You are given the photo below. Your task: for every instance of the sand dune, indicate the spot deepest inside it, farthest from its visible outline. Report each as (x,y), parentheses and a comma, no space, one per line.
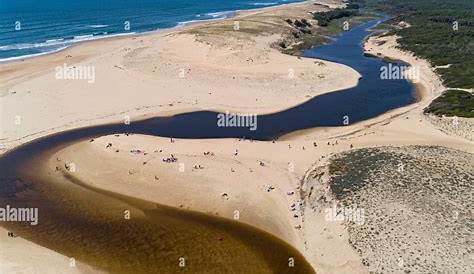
(217,183)
(143,76)
(166,72)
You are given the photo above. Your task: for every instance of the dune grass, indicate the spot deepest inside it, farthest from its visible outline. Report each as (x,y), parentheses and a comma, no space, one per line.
(453,103)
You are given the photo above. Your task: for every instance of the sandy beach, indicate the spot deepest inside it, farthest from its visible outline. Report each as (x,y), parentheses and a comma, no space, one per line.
(158,74)
(194,68)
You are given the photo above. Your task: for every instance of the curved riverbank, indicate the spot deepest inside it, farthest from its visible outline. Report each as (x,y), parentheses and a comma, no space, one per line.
(24,164)
(93,229)
(156,74)
(297,146)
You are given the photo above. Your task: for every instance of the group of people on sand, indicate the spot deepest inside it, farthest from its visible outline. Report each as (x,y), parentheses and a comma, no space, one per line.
(270,188)
(170,159)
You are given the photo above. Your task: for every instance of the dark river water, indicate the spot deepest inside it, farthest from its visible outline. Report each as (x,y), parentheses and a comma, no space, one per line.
(87,223)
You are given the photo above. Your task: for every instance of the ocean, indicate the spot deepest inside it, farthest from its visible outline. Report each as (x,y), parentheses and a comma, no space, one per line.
(31,27)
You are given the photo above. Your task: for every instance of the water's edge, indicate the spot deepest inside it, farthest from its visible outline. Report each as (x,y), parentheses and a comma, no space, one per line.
(81,216)
(225,15)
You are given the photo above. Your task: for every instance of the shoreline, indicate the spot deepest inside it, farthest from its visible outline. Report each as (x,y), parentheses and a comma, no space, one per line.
(179,26)
(66,154)
(393,128)
(30,265)
(32,78)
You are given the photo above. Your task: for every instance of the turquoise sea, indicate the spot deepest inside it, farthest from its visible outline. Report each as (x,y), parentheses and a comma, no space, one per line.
(33,27)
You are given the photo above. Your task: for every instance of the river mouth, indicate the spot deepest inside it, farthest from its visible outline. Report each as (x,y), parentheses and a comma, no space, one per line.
(121,234)
(89,225)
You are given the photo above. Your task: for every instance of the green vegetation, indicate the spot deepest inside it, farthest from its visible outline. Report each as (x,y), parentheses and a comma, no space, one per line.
(324,18)
(443,33)
(318,36)
(437,30)
(440,31)
(453,103)
(330,23)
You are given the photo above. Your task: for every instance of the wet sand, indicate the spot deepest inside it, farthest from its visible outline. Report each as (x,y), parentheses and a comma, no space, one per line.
(90,225)
(326,248)
(151,64)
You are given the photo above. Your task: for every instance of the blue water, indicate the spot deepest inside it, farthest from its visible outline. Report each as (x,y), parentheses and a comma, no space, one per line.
(372,96)
(51,25)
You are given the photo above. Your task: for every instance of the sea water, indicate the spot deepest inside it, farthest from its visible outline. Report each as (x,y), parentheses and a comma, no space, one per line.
(31,27)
